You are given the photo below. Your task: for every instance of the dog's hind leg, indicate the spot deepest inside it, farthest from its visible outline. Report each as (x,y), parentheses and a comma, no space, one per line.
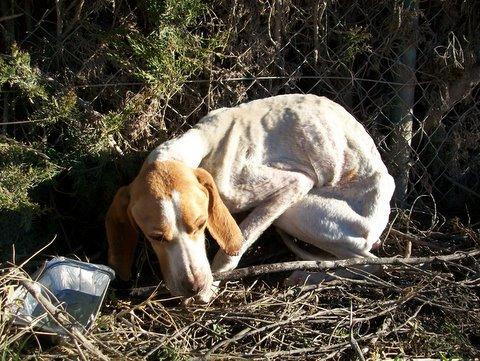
(343,221)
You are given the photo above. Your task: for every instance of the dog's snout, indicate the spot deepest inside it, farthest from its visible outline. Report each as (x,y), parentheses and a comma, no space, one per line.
(194,285)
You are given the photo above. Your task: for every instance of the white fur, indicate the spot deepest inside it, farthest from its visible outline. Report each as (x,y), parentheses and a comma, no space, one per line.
(186,256)
(171,207)
(287,160)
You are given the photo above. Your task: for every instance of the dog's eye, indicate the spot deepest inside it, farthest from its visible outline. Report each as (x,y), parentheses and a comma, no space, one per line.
(196,226)
(201,223)
(157,237)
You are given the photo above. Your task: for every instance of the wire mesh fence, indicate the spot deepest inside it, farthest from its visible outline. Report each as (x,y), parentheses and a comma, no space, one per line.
(379,60)
(408,70)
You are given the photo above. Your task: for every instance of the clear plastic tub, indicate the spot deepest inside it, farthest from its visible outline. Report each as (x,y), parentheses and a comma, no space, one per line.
(78,287)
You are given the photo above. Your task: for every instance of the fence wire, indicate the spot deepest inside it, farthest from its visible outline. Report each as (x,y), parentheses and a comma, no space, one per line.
(408,70)
(381,61)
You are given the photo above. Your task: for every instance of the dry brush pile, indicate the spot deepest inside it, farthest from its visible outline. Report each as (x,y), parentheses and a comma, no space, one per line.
(426,307)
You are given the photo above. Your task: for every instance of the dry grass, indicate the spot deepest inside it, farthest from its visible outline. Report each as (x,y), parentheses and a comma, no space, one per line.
(423,311)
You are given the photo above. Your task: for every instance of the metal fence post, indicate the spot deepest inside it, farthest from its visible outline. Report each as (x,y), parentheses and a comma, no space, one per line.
(402,113)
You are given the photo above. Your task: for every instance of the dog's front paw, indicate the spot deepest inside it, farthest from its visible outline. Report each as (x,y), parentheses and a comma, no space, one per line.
(223,262)
(208,295)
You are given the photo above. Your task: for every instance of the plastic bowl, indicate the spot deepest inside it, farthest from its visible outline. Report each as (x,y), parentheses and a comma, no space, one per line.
(77,287)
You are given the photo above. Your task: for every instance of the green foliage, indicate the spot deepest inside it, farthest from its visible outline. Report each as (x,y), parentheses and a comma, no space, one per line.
(166,54)
(21,170)
(180,14)
(163,57)
(58,166)
(16,71)
(356,41)
(172,51)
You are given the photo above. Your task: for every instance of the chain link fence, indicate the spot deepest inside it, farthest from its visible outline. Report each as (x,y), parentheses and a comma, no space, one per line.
(88,84)
(386,62)
(400,69)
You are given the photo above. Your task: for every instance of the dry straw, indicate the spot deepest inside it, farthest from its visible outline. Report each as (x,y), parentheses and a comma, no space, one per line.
(424,306)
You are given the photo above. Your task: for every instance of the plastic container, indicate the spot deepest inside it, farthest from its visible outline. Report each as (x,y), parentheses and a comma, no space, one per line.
(77,287)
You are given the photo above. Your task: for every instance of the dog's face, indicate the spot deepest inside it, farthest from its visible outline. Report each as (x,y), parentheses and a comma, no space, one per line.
(172,205)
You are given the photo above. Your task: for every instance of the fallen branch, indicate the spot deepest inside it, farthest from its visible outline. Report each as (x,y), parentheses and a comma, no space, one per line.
(142,292)
(62,320)
(327,265)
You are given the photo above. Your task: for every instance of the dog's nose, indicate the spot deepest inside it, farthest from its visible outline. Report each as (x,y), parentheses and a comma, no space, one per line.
(194,285)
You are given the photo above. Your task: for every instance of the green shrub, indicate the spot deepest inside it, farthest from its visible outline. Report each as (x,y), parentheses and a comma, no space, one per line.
(76,140)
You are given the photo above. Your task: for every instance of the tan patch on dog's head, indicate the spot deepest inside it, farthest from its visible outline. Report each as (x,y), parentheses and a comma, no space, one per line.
(199,203)
(163,181)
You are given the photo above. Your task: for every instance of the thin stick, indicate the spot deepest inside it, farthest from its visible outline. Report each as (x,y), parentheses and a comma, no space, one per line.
(9,17)
(38,252)
(354,342)
(141,292)
(79,349)
(408,249)
(326,265)
(58,8)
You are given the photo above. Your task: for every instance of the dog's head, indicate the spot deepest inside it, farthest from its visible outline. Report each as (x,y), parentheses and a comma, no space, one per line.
(172,205)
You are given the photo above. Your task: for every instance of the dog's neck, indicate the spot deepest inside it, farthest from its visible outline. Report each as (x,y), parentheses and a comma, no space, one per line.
(190,148)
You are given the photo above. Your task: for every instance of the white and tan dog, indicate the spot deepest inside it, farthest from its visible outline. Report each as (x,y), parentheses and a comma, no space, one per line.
(300,162)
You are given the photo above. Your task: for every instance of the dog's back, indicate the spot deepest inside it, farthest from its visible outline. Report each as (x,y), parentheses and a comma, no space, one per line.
(303,133)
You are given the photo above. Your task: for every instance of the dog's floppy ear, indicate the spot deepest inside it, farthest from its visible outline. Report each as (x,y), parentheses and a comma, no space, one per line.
(121,234)
(220,223)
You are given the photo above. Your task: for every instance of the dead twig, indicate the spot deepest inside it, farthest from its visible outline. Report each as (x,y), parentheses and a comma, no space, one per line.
(327,265)
(9,17)
(141,292)
(354,342)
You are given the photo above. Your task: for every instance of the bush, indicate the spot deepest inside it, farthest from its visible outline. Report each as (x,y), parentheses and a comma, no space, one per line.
(83,103)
